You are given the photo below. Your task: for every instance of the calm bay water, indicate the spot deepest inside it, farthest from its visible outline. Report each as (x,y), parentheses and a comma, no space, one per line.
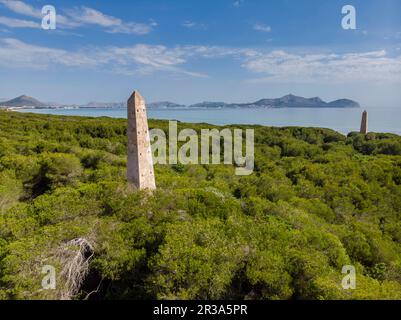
(343,120)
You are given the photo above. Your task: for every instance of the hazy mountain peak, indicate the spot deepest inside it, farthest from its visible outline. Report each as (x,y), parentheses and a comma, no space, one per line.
(23,101)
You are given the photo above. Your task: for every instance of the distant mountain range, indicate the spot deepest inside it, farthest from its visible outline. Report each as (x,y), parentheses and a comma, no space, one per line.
(165,105)
(288,101)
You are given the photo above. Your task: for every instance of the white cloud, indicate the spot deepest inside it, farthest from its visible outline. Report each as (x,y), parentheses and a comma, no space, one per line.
(188,24)
(262,27)
(238,3)
(17,23)
(81,16)
(15,53)
(22,8)
(277,66)
(281,66)
(147,59)
(193,25)
(131,28)
(129,60)
(140,58)
(27,10)
(86,15)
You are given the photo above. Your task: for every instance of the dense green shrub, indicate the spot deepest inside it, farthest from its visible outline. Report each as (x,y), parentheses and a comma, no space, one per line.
(316,201)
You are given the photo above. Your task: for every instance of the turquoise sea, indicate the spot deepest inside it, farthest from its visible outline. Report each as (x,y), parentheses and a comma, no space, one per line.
(343,120)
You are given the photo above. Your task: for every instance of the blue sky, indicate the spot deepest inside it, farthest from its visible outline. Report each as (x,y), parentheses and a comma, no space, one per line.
(189,51)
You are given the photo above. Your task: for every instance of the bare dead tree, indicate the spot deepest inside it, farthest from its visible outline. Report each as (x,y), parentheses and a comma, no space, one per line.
(74,256)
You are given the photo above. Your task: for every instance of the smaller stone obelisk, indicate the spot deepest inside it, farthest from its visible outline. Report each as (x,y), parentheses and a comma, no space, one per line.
(140,163)
(364,123)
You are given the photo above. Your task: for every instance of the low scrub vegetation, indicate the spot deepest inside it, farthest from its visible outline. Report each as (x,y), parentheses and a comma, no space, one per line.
(317,201)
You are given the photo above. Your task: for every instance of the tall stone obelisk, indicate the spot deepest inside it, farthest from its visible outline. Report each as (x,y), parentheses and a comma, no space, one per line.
(140,163)
(364,123)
